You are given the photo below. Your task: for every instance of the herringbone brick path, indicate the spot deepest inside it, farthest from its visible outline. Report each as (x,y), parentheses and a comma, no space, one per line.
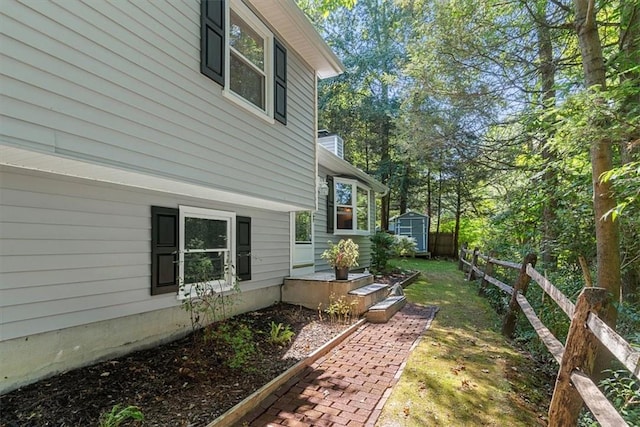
(349,385)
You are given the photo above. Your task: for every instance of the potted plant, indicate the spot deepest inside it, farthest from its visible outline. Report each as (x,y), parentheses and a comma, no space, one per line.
(341,257)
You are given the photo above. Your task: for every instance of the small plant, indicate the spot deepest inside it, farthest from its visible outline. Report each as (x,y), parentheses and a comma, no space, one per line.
(344,254)
(340,310)
(233,341)
(404,246)
(280,334)
(118,415)
(207,299)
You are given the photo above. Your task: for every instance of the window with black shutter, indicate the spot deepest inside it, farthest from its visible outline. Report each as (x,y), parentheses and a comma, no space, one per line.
(280,82)
(203,255)
(330,205)
(164,250)
(254,76)
(212,39)
(243,248)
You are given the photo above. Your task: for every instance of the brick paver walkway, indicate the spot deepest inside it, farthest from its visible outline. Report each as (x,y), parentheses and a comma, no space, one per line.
(351,383)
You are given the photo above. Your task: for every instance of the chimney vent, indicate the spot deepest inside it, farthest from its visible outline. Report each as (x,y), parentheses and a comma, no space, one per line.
(331,142)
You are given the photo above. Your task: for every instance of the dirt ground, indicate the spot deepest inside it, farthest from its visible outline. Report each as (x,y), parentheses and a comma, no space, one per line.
(176,384)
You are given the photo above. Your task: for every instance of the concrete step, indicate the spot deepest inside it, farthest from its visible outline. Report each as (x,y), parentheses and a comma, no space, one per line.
(368,295)
(384,310)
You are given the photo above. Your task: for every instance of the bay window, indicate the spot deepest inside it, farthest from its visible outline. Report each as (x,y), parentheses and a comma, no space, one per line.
(351,201)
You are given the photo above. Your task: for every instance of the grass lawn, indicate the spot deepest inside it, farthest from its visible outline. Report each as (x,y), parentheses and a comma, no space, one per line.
(463,372)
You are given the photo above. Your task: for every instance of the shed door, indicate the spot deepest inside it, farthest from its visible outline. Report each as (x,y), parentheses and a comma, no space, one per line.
(418,232)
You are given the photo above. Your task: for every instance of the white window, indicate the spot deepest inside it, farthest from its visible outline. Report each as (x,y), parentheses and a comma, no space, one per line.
(304,225)
(249,60)
(351,207)
(207,249)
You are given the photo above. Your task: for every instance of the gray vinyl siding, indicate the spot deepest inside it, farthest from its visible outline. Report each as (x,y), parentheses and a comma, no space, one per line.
(119,83)
(75,252)
(322,237)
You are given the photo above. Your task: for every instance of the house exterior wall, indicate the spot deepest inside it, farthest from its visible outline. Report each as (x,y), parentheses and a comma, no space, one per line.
(75,261)
(119,84)
(322,237)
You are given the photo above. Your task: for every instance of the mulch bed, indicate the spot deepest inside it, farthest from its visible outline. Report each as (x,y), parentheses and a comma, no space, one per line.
(183,383)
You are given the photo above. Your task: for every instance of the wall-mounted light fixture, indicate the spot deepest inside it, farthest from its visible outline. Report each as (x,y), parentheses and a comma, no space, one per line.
(323,187)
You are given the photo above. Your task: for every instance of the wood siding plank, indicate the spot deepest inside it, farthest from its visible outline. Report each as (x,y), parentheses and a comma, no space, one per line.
(119,83)
(65,262)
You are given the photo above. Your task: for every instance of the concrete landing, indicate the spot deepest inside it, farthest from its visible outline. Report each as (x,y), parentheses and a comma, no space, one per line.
(313,290)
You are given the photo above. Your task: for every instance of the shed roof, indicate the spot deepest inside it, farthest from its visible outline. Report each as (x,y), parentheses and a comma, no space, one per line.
(410,214)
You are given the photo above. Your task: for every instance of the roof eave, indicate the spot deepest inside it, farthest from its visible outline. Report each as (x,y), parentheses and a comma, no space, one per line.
(294,26)
(340,166)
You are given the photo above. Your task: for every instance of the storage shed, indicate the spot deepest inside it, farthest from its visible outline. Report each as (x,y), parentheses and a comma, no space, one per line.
(412,224)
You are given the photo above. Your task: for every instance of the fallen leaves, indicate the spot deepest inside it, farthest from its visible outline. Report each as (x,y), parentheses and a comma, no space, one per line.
(457,369)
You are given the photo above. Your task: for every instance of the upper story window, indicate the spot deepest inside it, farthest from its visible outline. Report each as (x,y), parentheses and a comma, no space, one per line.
(351,200)
(248,59)
(239,52)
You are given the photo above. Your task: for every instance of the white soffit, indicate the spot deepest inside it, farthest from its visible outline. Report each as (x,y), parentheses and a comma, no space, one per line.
(294,26)
(340,166)
(42,162)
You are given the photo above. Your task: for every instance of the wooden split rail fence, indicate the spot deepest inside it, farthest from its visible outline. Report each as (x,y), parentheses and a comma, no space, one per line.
(586,333)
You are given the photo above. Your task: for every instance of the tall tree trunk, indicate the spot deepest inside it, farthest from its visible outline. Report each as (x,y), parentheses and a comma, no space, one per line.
(438,211)
(404,188)
(547,71)
(456,232)
(607,238)
(385,164)
(429,193)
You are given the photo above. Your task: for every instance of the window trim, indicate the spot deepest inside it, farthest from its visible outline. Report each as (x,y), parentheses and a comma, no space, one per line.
(261,29)
(354,206)
(295,228)
(194,212)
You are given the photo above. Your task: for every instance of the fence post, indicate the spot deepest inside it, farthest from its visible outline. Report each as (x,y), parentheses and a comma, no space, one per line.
(488,271)
(579,353)
(509,323)
(474,261)
(463,254)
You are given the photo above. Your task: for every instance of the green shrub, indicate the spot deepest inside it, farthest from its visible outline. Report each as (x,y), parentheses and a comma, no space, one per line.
(381,251)
(623,391)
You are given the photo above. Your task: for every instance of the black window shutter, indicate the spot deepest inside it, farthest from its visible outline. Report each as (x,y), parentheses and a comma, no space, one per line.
(280,82)
(330,205)
(212,39)
(243,248)
(164,250)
